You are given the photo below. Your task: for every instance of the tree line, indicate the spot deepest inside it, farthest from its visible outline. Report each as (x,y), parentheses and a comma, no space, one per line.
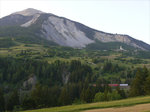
(61,83)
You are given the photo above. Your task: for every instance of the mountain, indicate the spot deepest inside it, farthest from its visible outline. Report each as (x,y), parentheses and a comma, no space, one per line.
(39,25)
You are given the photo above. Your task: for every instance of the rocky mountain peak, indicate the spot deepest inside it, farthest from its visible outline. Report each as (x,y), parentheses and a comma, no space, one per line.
(66,32)
(29,12)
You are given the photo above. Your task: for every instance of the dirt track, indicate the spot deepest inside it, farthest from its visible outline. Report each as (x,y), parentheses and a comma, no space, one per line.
(136,108)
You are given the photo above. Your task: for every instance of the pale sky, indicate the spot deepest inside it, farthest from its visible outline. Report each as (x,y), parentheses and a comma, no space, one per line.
(130,17)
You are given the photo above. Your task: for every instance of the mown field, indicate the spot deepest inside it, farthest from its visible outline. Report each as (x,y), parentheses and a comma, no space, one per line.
(102,105)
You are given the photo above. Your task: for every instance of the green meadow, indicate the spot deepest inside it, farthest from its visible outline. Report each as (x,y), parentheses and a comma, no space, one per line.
(98,105)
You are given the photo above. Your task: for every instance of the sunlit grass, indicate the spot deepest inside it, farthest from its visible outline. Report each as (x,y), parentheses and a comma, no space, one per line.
(79,108)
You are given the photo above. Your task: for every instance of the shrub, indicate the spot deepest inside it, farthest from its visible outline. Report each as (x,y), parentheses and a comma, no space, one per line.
(99,97)
(107,96)
(113,96)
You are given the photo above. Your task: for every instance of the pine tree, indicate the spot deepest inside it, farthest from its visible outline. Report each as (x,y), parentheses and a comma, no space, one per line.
(82,95)
(147,85)
(64,98)
(28,103)
(2,101)
(137,86)
(13,101)
(37,95)
(121,92)
(87,95)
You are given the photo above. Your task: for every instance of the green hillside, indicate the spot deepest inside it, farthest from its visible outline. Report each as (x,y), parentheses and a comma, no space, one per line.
(90,106)
(43,75)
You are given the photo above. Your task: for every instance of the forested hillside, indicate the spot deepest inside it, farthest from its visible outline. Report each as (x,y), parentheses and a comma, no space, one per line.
(38,74)
(48,61)
(55,78)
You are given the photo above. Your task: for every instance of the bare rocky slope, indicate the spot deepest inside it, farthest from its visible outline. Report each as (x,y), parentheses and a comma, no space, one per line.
(66,32)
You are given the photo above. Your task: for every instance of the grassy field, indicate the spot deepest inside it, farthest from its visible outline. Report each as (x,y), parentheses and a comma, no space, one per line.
(137,108)
(101,105)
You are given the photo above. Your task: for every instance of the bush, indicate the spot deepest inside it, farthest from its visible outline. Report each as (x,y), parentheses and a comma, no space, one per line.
(113,96)
(107,96)
(99,97)
(78,101)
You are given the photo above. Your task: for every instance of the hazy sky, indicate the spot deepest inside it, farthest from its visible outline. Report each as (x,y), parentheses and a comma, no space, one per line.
(130,17)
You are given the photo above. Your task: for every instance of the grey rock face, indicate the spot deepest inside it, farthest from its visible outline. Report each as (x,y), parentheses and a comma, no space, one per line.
(24,18)
(30,83)
(32,21)
(65,34)
(28,12)
(105,37)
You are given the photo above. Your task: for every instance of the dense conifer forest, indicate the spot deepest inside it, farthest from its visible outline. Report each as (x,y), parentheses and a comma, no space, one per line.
(34,75)
(30,83)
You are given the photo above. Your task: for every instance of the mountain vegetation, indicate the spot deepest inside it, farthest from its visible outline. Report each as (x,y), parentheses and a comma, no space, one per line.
(136,104)
(36,82)
(36,71)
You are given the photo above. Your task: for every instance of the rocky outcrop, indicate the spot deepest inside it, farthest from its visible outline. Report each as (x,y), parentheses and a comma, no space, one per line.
(64,33)
(30,83)
(32,21)
(28,12)
(105,37)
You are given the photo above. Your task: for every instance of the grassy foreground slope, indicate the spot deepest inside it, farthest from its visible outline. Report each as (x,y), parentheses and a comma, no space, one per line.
(82,107)
(135,108)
